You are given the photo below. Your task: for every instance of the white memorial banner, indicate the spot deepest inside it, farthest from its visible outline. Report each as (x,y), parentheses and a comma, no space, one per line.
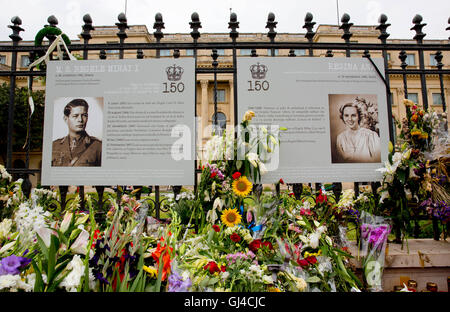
(119,122)
(334,110)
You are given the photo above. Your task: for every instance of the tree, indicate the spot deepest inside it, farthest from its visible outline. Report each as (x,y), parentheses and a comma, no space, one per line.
(21,112)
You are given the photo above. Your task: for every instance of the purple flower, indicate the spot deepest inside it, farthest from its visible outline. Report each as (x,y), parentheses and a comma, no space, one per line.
(376,235)
(177,284)
(12,264)
(365,230)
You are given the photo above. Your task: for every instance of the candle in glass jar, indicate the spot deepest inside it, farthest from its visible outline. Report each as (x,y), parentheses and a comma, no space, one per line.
(432,287)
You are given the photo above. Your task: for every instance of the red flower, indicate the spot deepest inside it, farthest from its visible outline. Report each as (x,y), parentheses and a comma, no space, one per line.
(291,194)
(236,175)
(311,260)
(268,245)
(321,198)
(302,262)
(213,174)
(97,235)
(223,268)
(281,181)
(216,228)
(235,237)
(255,245)
(163,253)
(211,267)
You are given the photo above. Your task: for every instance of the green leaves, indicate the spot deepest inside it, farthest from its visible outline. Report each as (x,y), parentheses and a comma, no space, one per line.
(313,279)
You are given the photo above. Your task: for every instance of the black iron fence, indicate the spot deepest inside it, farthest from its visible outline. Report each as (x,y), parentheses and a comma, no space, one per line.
(233,44)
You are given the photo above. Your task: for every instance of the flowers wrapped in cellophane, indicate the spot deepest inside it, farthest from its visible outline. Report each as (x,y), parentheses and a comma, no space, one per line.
(374,234)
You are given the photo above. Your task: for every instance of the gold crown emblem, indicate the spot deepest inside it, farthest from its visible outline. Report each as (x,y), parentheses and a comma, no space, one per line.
(174,72)
(258,71)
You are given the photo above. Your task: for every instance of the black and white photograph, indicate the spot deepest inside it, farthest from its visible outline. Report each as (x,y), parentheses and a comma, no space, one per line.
(77,132)
(354,129)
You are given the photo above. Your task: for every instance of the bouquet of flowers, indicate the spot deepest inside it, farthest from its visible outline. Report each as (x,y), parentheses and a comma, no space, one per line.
(374,232)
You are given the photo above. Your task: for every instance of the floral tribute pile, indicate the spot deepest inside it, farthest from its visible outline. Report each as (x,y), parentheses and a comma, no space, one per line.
(228,236)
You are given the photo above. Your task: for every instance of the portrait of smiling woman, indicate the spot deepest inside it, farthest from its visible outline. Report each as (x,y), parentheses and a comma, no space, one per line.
(354,142)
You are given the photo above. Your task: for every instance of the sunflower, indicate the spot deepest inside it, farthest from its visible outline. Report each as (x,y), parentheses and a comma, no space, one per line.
(242,186)
(231,217)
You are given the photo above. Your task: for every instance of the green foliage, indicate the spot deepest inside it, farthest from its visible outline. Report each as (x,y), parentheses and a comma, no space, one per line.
(21,112)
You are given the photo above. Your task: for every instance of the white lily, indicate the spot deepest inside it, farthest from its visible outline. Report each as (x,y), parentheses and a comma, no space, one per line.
(66,221)
(314,240)
(80,244)
(253,159)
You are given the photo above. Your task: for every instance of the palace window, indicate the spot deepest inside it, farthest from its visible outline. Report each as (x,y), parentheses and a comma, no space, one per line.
(246,51)
(24,61)
(433,61)
(414,97)
(164,52)
(221,123)
(410,60)
(220,95)
(300,52)
(437,99)
(3,59)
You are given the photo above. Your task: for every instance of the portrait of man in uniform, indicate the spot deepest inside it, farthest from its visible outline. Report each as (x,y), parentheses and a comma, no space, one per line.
(77,148)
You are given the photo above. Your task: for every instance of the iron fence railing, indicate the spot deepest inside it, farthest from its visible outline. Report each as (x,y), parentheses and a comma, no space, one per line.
(233,44)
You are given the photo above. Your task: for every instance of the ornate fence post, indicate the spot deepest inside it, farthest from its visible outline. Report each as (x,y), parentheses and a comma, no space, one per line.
(309,24)
(271,24)
(439,65)
(158,34)
(403,65)
(345,26)
(15,37)
(214,56)
(383,37)
(417,20)
(122,25)
(87,28)
(195,24)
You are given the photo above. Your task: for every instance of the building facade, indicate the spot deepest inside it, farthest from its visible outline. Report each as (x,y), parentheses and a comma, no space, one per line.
(225,101)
